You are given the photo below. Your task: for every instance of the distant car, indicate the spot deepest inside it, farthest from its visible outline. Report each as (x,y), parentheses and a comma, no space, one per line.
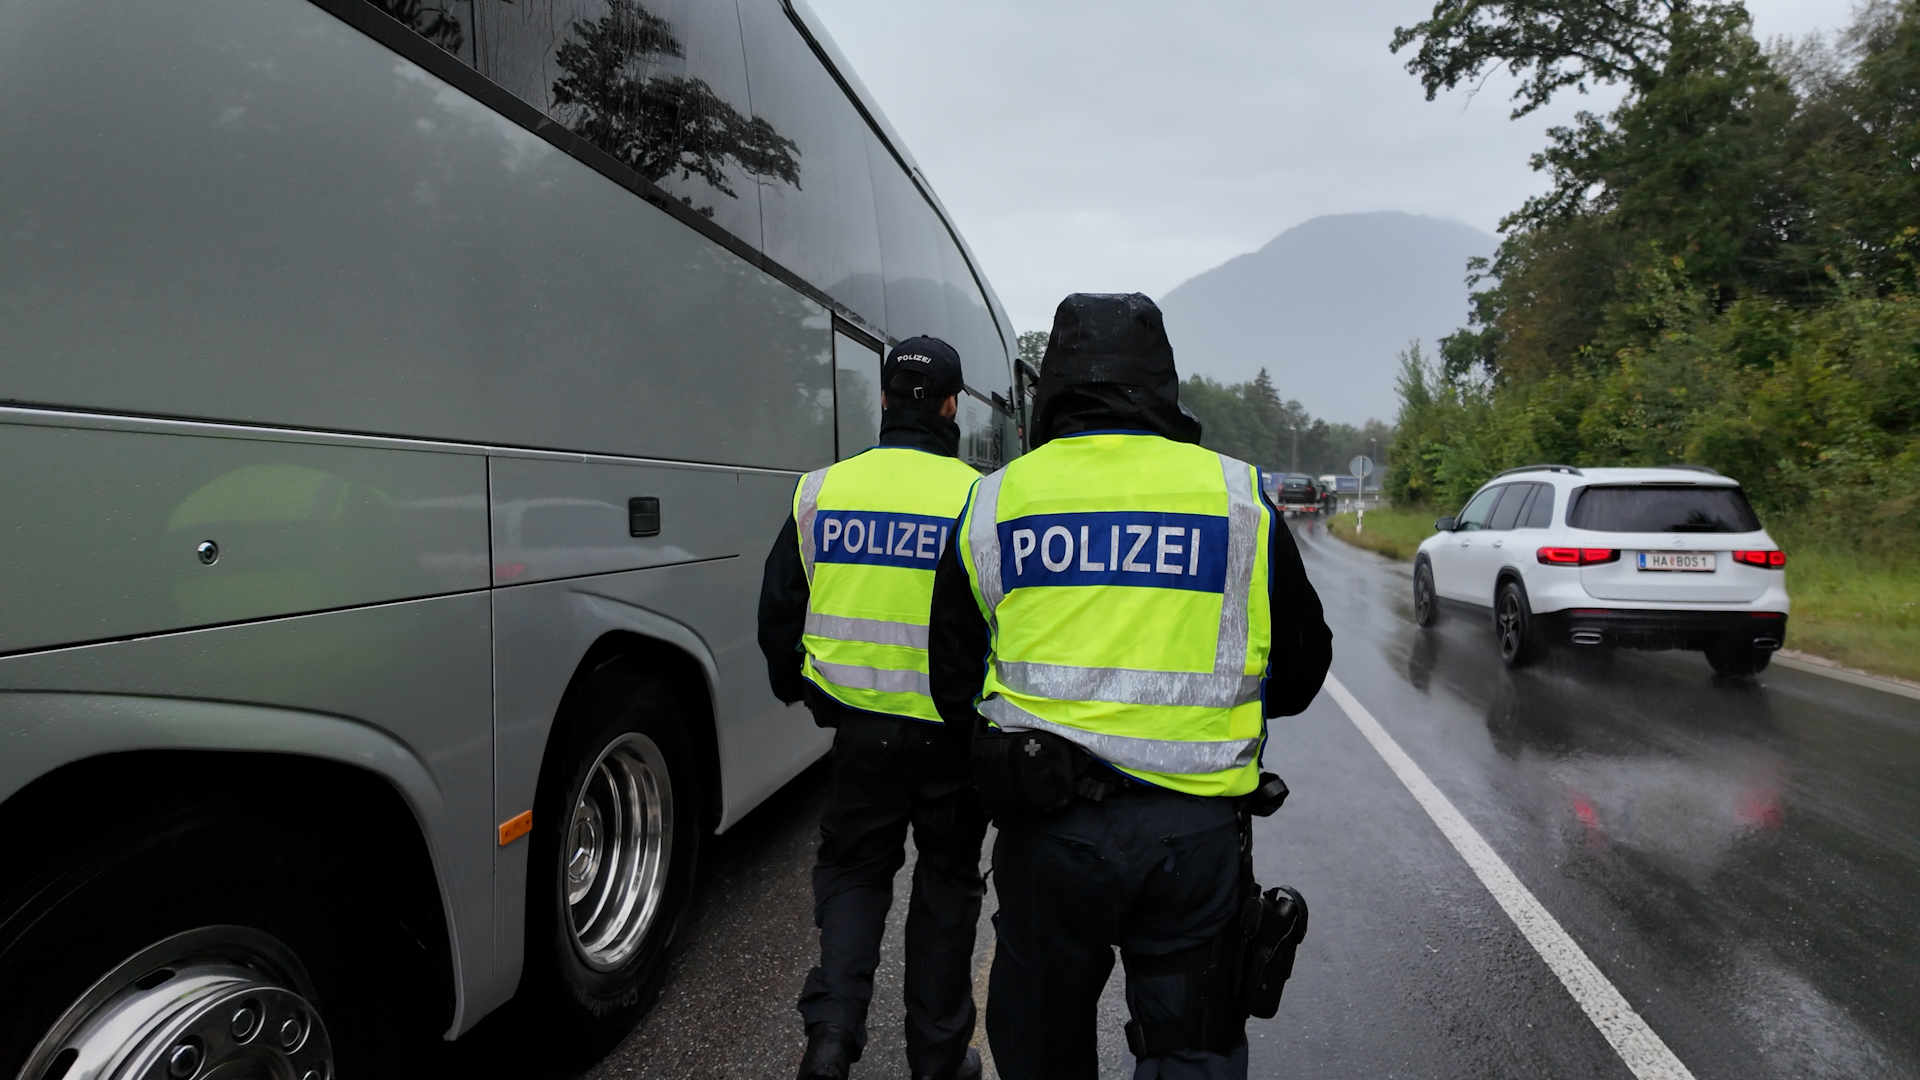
(1296,493)
(1667,558)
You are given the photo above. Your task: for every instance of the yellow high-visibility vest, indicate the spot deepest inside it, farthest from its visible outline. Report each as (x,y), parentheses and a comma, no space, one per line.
(1124,580)
(871,531)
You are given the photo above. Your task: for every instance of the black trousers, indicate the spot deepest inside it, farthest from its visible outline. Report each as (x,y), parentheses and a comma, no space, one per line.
(889,772)
(1149,871)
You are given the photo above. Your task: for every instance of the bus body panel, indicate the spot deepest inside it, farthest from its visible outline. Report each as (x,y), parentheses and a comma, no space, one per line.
(117,541)
(269,275)
(704,610)
(399,689)
(557,518)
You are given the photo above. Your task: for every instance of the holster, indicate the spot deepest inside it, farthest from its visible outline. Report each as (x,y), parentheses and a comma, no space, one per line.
(1022,774)
(1242,972)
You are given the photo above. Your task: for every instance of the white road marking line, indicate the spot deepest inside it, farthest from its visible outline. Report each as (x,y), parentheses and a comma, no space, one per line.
(1643,1051)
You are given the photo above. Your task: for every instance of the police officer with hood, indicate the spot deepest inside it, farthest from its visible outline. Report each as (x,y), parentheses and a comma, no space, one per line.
(1120,614)
(843,623)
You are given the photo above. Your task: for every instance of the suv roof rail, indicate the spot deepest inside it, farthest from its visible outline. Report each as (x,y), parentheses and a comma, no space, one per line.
(1694,468)
(1568,469)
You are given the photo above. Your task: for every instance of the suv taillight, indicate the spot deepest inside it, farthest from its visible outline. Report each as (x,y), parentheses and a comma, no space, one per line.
(1766,560)
(1566,556)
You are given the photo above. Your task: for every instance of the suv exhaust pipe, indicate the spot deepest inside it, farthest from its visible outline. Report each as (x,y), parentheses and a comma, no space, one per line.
(1588,637)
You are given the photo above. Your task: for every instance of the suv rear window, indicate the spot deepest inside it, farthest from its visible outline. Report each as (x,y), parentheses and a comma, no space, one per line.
(1659,508)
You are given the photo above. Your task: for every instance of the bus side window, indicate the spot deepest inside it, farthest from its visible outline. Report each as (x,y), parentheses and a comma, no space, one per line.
(681,60)
(820,224)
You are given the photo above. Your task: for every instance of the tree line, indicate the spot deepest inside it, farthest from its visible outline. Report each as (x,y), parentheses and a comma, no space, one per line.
(1721,271)
(1249,421)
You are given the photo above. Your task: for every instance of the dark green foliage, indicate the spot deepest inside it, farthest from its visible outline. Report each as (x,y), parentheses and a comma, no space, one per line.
(1033,346)
(1721,271)
(1249,421)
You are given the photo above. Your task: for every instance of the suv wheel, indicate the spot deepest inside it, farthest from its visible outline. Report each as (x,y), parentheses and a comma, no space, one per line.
(1426,606)
(616,832)
(1736,660)
(1521,642)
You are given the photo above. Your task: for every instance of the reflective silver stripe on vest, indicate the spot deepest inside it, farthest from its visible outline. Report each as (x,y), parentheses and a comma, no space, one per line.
(885,680)
(1147,755)
(809,506)
(1243,545)
(983,535)
(867,631)
(1223,688)
(1128,686)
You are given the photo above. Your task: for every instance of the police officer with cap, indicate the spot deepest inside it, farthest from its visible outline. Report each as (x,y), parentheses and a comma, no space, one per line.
(843,623)
(1120,614)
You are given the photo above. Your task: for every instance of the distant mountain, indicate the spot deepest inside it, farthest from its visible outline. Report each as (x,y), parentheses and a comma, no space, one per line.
(1326,307)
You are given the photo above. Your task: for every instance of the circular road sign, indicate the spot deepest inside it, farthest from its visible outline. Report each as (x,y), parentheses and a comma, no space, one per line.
(1361,466)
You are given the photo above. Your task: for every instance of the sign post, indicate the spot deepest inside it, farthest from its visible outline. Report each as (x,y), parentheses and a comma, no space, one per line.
(1361,467)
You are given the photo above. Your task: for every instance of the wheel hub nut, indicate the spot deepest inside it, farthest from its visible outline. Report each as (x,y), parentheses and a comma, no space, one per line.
(246,1023)
(183,1061)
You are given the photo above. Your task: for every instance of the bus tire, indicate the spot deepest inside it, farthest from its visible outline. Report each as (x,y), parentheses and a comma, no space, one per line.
(602,916)
(235,892)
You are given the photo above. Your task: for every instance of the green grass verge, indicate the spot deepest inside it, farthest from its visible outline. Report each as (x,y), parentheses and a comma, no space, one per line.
(1393,533)
(1858,610)
(1854,609)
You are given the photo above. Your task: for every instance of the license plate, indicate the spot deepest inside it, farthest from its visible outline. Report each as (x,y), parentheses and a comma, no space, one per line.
(1676,560)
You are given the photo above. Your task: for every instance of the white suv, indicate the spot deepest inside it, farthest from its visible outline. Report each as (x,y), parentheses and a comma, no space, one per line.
(1668,558)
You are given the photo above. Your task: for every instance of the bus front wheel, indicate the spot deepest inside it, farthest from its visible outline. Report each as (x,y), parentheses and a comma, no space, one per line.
(616,835)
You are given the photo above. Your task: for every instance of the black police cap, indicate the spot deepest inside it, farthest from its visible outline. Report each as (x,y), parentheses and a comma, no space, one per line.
(924,367)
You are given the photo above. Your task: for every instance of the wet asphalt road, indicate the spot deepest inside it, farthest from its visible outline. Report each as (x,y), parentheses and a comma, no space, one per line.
(1741,859)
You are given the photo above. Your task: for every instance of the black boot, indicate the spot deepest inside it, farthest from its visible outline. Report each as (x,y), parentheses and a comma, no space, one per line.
(968,1069)
(830,1053)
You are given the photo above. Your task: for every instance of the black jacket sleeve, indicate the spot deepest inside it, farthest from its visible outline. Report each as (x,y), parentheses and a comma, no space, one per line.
(957,640)
(783,614)
(1302,644)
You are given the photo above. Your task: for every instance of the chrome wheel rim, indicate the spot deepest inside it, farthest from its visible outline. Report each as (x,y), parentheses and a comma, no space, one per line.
(617,851)
(216,1003)
(1509,625)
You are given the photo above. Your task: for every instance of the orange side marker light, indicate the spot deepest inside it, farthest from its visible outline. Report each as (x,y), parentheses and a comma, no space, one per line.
(516,827)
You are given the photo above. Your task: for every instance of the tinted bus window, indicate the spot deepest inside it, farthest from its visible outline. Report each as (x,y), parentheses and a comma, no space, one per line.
(446,23)
(974,334)
(660,85)
(908,249)
(856,381)
(821,223)
(1662,509)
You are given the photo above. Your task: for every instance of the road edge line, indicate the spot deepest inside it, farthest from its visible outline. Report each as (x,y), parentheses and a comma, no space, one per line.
(1812,665)
(1640,1049)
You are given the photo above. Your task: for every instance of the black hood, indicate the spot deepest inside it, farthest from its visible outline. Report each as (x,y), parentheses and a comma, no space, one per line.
(1109,365)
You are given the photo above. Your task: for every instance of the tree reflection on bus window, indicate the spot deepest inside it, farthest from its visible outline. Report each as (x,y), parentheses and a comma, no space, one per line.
(659,125)
(660,85)
(440,23)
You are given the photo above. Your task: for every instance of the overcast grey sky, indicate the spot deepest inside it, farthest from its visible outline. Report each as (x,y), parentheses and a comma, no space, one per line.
(1107,145)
